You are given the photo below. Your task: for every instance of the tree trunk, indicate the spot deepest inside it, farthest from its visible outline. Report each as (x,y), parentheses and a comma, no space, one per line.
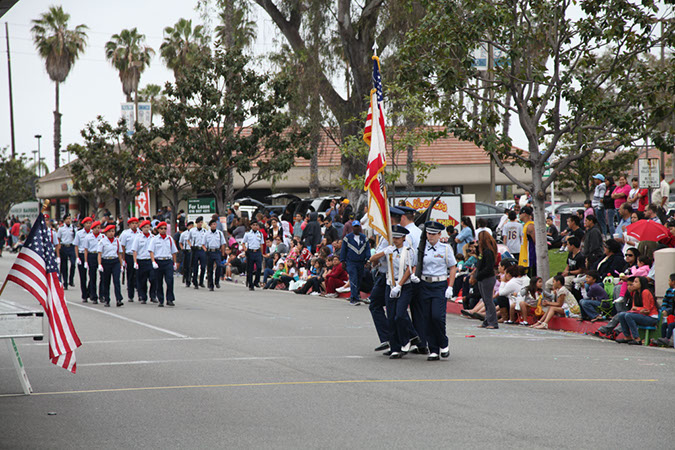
(315,115)
(229,188)
(219,192)
(57,131)
(539,202)
(135,108)
(410,169)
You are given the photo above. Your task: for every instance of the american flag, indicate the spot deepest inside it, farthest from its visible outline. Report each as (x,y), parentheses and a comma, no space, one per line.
(36,271)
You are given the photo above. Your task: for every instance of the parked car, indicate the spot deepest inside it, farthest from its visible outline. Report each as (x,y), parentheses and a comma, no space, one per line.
(493,214)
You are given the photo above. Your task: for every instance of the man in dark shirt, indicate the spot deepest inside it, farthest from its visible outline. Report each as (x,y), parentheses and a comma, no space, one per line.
(330,232)
(592,240)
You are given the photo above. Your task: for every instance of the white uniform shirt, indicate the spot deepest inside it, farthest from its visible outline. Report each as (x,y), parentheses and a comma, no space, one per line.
(437,260)
(214,239)
(410,261)
(163,247)
(414,236)
(184,240)
(141,245)
(91,242)
(66,234)
(109,249)
(197,236)
(54,238)
(253,240)
(80,239)
(127,238)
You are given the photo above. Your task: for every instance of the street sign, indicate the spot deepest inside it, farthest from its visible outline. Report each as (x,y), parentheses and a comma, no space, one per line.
(204,207)
(143,203)
(648,173)
(129,112)
(547,171)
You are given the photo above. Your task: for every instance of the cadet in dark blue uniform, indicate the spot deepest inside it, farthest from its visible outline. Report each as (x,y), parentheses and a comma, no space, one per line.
(399,294)
(215,251)
(252,243)
(79,243)
(66,235)
(197,237)
(435,287)
(127,238)
(91,260)
(354,254)
(163,252)
(143,264)
(110,264)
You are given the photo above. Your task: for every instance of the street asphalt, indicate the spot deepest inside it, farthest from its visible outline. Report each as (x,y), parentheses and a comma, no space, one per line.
(239,369)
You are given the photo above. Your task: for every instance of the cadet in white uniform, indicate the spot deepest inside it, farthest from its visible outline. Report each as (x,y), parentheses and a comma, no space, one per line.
(215,251)
(78,242)
(163,254)
(252,243)
(91,260)
(66,236)
(185,245)
(435,287)
(143,264)
(126,239)
(110,264)
(197,238)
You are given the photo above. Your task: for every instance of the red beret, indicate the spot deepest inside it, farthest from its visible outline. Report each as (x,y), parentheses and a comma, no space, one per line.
(85,220)
(161,224)
(132,220)
(95,224)
(108,228)
(144,223)
(46,216)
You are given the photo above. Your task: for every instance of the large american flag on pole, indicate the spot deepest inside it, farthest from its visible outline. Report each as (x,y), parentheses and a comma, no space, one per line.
(36,271)
(374,135)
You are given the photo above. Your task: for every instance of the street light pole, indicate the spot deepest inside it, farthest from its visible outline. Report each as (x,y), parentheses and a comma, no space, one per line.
(35,161)
(38,137)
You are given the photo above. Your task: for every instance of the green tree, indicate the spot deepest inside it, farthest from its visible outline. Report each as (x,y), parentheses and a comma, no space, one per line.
(203,109)
(110,161)
(236,29)
(181,45)
(128,54)
(16,182)
(59,47)
(552,75)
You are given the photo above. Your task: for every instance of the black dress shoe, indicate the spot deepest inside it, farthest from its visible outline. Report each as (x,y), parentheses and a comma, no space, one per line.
(196,287)
(72,284)
(251,288)
(84,300)
(415,341)
(143,302)
(170,303)
(107,304)
(433,357)
(95,302)
(153,300)
(211,289)
(396,355)
(161,305)
(445,353)
(420,350)
(65,287)
(382,346)
(387,353)
(131,300)
(119,304)
(217,286)
(201,284)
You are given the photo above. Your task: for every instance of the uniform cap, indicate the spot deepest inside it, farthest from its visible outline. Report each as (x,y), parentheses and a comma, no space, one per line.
(395,211)
(399,231)
(132,220)
(96,224)
(199,219)
(46,216)
(407,209)
(85,220)
(144,223)
(433,227)
(161,224)
(108,228)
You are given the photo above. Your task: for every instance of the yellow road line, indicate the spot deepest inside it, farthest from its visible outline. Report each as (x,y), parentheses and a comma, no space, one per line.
(318,382)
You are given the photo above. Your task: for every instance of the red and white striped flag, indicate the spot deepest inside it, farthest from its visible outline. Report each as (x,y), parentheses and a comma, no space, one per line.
(36,271)
(375,136)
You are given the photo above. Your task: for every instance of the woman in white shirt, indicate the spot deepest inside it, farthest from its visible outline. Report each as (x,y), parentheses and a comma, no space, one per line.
(515,281)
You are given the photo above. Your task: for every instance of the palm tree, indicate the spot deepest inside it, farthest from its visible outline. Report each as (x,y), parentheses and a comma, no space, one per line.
(236,29)
(59,47)
(128,54)
(181,45)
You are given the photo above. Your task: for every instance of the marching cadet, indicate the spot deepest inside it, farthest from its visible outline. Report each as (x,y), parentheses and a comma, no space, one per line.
(79,243)
(377,295)
(143,264)
(66,236)
(53,237)
(91,259)
(163,255)
(354,254)
(435,287)
(126,239)
(197,239)
(252,244)
(399,294)
(109,264)
(215,250)
(185,245)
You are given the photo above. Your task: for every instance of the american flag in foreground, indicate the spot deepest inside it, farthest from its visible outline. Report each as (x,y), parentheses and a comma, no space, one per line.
(36,271)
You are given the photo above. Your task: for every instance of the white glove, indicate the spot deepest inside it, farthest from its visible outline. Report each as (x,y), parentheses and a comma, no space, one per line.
(449,292)
(155,265)
(78,262)
(100,269)
(175,267)
(86,266)
(136,265)
(58,260)
(395,292)
(389,250)
(414,278)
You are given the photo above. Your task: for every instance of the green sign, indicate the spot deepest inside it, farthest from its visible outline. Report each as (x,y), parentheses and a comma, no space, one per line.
(547,172)
(201,206)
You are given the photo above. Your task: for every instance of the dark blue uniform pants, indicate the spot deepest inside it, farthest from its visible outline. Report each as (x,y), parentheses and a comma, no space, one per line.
(165,274)
(187,267)
(377,304)
(355,270)
(198,261)
(401,326)
(84,286)
(111,268)
(434,304)
(418,317)
(144,273)
(95,290)
(214,259)
(67,255)
(253,258)
(131,276)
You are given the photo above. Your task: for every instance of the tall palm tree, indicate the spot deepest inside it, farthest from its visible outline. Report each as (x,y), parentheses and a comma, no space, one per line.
(130,56)
(59,47)
(236,29)
(181,45)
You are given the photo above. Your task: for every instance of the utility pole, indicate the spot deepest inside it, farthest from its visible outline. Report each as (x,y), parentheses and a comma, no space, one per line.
(38,136)
(11,99)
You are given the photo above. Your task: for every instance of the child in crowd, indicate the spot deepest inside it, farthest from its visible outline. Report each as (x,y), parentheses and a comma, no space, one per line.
(533,297)
(563,301)
(588,209)
(668,308)
(281,269)
(593,297)
(639,270)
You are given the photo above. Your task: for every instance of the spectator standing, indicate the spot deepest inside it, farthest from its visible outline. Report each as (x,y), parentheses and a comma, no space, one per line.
(465,236)
(14,232)
(598,202)
(354,254)
(485,275)
(330,233)
(620,194)
(512,233)
(637,198)
(592,240)
(311,235)
(528,252)
(3,239)
(608,203)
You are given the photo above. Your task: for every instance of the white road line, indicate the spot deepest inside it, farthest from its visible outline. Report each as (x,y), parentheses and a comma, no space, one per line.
(137,322)
(131,341)
(236,358)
